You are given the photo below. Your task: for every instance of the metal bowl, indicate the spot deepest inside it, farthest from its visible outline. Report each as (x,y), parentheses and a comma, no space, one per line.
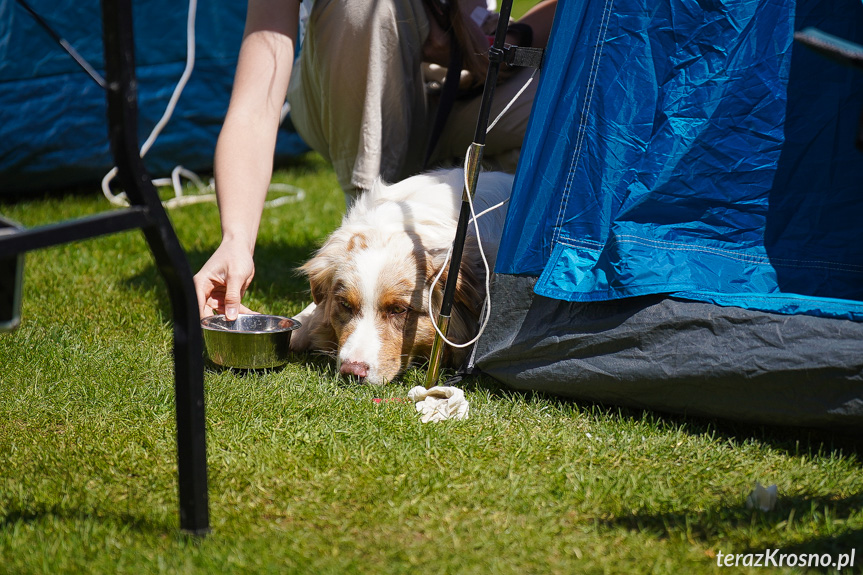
(251,341)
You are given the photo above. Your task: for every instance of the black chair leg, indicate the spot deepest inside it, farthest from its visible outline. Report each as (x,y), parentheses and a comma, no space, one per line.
(171,261)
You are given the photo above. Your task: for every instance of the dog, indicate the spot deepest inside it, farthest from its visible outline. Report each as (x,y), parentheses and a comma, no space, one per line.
(370,280)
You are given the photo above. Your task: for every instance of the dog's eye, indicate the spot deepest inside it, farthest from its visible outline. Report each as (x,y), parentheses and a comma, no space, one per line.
(398,310)
(344,303)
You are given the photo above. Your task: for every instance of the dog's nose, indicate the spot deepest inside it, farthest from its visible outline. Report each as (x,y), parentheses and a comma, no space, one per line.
(355,368)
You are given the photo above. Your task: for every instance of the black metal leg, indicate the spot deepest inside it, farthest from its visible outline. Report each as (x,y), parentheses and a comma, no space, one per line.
(188,383)
(171,261)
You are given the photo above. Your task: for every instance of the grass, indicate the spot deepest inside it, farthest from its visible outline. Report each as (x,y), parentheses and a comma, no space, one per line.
(309,475)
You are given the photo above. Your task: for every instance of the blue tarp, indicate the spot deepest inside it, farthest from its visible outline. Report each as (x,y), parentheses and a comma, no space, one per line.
(693,149)
(53,124)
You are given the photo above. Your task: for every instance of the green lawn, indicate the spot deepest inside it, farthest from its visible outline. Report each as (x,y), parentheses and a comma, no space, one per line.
(308,474)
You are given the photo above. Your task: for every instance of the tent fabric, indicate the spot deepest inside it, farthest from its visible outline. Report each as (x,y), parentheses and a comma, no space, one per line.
(53,119)
(679,356)
(692,149)
(684,232)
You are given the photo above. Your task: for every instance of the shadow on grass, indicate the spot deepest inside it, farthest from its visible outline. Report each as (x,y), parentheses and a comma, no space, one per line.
(122,519)
(832,545)
(276,276)
(792,441)
(709,525)
(320,362)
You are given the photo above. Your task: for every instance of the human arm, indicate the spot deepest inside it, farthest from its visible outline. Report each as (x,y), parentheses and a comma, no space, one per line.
(244,151)
(472,29)
(540,18)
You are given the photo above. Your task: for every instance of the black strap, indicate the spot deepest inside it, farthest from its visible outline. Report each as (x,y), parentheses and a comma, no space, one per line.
(516,56)
(523,57)
(448,95)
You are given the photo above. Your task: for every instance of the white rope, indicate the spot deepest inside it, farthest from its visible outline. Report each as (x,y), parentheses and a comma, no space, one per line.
(206,193)
(511,102)
(121,199)
(485,313)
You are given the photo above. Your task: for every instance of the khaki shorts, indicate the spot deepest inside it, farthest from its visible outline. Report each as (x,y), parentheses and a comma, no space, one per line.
(358,96)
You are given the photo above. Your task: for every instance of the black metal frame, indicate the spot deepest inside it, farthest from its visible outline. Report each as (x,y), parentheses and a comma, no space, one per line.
(498,53)
(147,214)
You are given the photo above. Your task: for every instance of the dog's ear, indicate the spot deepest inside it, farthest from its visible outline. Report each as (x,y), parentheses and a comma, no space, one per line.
(469,291)
(470,286)
(320,278)
(321,271)
(435,260)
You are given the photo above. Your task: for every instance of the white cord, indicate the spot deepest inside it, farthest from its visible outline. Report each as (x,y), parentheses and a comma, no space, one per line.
(121,199)
(511,102)
(292,193)
(181,84)
(485,313)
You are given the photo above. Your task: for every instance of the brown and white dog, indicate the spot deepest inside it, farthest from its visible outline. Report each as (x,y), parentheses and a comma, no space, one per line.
(370,280)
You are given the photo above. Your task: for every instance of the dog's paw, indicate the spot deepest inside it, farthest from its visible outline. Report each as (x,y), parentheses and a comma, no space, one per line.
(301,339)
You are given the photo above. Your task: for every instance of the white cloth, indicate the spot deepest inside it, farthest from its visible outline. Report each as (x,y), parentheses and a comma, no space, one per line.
(763,498)
(439,403)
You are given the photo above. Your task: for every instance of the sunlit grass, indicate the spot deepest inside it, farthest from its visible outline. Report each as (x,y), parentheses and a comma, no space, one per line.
(308,474)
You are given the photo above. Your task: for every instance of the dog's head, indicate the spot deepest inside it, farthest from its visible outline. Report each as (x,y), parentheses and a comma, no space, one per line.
(370,282)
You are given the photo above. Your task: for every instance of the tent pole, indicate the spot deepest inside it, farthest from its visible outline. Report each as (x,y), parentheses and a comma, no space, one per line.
(474,160)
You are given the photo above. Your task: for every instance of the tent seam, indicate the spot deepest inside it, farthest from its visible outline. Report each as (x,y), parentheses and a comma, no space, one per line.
(783,262)
(591,89)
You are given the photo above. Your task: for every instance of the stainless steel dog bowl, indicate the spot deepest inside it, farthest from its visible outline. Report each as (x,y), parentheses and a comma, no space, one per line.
(251,341)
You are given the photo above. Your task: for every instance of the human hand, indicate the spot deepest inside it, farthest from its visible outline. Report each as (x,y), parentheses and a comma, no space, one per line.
(223,280)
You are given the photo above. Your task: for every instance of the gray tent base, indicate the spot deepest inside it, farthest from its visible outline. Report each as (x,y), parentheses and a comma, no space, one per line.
(676,356)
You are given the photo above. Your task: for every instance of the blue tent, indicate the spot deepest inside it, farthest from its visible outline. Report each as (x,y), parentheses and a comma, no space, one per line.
(53,123)
(685,230)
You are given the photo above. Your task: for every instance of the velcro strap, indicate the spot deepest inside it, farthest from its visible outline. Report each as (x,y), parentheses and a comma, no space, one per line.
(523,57)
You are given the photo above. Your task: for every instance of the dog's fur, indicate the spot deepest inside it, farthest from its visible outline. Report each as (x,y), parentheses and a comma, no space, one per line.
(370,280)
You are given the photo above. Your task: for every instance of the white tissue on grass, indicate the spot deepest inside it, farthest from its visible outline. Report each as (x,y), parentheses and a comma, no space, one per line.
(763,498)
(439,403)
